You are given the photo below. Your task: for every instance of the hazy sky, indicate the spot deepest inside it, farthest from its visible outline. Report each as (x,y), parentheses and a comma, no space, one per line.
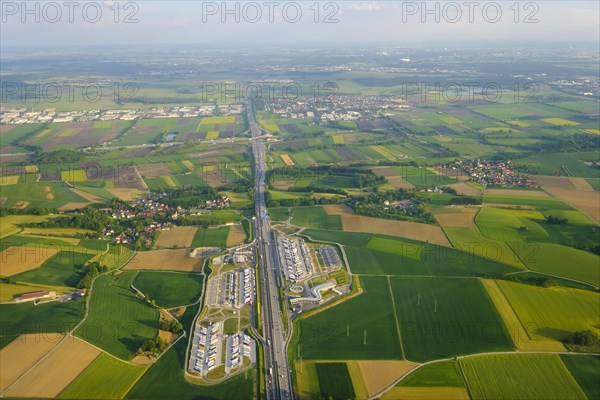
(402,23)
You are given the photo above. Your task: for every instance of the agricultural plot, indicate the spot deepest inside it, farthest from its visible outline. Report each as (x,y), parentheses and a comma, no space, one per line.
(18,259)
(216,217)
(54,372)
(211,237)
(405,229)
(521,337)
(456,217)
(585,371)
(236,236)
(105,378)
(522,376)
(471,241)
(439,374)
(40,194)
(118,322)
(45,317)
(179,236)
(315,217)
(334,380)
(562,261)
(165,260)
(170,289)
(62,269)
(72,135)
(379,375)
(444,317)
(429,393)
(21,354)
(552,313)
(339,332)
(9,224)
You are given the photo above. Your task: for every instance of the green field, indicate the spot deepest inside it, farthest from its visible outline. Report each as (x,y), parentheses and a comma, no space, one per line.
(555,259)
(335,381)
(344,238)
(105,378)
(315,217)
(439,374)
(519,376)
(386,256)
(470,240)
(60,270)
(339,332)
(585,371)
(37,194)
(442,317)
(553,312)
(118,322)
(116,256)
(49,317)
(170,289)
(216,217)
(213,237)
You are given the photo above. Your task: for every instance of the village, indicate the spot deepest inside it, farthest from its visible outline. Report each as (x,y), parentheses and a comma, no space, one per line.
(161,217)
(335,108)
(493,172)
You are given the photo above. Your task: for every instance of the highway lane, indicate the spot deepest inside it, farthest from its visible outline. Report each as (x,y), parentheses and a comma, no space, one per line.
(277,372)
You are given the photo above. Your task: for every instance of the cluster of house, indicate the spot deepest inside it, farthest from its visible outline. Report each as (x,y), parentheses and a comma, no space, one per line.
(335,108)
(23,115)
(493,173)
(402,205)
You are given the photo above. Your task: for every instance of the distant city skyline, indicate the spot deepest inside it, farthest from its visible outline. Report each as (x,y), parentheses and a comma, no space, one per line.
(358,23)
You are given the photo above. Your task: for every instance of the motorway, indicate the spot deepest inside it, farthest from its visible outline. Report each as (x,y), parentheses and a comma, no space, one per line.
(277,372)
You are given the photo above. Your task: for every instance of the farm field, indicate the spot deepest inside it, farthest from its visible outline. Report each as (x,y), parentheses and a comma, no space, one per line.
(554,313)
(59,270)
(118,322)
(523,336)
(338,332)
(585,371)
(409,230)
(334,380)
(211,237)
(439,374)
(430,393)
(21,354)
(379,375)
(47,317)
(436,317)
(105,378)
(523,376)
(563,261)
(315,217)
(236,236)
(18,259)
(54,372)
(179,236)
(170,289)
(165,260)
